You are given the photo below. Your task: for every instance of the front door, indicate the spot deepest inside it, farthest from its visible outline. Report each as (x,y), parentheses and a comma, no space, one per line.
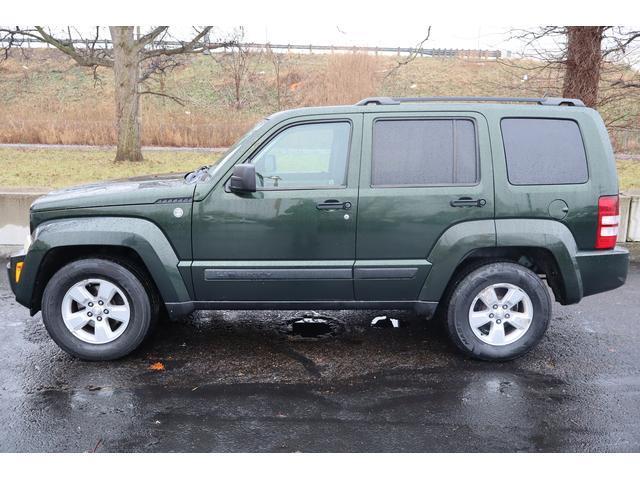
(293,240)
(422,172)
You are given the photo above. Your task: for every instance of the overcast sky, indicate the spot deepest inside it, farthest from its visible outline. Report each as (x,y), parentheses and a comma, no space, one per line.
(350,22)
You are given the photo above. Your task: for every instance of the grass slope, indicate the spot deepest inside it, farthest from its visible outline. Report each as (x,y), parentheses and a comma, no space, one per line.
(46,98)
(55,168)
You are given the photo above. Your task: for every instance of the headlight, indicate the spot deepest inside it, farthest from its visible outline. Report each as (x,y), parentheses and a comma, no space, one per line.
(27,243)
(29,240)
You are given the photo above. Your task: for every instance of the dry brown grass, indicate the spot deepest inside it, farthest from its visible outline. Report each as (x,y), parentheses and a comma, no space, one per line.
(93,125)
(194,129)
(345,79)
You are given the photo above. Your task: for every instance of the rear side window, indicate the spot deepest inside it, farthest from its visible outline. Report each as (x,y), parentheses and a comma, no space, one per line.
(544,151)
(424,152)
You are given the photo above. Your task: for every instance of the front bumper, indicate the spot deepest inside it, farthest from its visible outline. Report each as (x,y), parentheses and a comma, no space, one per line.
(604,270)
(11,270)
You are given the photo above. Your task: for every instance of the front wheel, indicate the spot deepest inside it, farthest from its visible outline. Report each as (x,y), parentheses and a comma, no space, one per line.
(96,309)
(499,311)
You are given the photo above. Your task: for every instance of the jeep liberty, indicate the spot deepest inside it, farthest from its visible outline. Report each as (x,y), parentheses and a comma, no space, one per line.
(472,210)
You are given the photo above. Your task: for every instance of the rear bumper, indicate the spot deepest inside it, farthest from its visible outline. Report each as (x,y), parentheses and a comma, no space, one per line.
(604,270)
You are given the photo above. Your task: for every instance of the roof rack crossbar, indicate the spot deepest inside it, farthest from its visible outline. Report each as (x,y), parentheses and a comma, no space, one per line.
(549,101)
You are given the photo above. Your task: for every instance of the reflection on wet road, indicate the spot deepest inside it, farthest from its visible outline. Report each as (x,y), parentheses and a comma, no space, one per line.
(250,381)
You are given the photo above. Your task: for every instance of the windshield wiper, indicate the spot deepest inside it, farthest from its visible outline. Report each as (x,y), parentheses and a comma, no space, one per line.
(196,174)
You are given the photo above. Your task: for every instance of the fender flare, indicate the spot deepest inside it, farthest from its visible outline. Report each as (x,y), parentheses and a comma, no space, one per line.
(459,241)
(450,250)
(553,236)
(142,236)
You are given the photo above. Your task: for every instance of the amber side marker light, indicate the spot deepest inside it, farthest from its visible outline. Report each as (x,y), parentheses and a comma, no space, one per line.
(19,266)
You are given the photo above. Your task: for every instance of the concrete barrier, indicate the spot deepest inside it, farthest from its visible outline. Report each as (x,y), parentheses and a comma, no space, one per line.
(625,206)
(633,228)
(14,218)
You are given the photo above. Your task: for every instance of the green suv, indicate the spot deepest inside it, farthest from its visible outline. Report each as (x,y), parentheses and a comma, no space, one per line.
(467,209)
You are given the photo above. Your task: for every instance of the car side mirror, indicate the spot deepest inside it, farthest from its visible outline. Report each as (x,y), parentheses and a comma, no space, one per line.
(243,178)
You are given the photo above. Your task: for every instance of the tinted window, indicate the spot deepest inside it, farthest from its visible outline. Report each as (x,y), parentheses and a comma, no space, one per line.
(311,155)
(543,151)
(424,152)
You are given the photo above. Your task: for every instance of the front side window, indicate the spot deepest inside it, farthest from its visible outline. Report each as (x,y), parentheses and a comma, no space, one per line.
(544,151)
(421,152)
(305,156)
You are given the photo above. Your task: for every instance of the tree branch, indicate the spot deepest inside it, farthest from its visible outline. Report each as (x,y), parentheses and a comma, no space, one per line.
(86,58)
(411,56)
(624,84)
(178,100)
(193,46)
(151,36)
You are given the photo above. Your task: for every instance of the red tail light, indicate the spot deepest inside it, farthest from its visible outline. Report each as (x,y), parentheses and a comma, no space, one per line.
(608,221)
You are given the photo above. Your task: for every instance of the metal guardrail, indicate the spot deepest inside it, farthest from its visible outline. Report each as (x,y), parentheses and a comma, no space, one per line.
(310,48)
(427,52)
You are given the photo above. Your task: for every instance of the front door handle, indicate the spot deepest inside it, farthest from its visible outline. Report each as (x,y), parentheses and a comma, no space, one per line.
(468,202)
(333,205)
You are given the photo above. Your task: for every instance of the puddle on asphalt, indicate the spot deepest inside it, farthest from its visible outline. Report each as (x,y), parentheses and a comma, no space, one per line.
(309,325)
(313,327)
(385,322)
(319,327)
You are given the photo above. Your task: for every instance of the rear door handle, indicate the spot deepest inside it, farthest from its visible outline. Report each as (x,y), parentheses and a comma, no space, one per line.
(333,205)
(468,202)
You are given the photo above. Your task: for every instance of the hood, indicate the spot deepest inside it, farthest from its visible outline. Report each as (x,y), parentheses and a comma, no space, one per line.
(128,191)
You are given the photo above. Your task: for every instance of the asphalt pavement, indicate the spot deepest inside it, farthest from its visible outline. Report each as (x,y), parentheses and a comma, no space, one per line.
(256,382)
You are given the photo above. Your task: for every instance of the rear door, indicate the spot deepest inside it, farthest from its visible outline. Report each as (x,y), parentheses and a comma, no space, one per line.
(422,172)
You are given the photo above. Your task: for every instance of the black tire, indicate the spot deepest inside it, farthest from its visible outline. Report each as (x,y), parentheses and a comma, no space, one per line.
(470,284)
(140,302)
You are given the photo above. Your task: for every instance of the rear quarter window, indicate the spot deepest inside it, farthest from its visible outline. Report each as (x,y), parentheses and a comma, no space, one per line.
(544,151)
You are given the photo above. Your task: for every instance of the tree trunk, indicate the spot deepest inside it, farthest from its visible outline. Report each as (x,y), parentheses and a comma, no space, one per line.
(237,84)
(126,73)
(582,68)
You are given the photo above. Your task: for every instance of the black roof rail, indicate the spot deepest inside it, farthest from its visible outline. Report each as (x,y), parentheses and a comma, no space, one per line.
(550,101)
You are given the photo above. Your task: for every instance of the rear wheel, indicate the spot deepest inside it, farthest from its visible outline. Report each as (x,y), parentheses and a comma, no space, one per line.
(498,311)
(96,309)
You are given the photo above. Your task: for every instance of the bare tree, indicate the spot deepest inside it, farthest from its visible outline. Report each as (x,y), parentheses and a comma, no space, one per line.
(235,63)
(278,60)
(134,58)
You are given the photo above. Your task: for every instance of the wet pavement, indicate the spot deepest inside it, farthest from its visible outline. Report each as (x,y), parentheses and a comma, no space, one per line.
(253,381)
